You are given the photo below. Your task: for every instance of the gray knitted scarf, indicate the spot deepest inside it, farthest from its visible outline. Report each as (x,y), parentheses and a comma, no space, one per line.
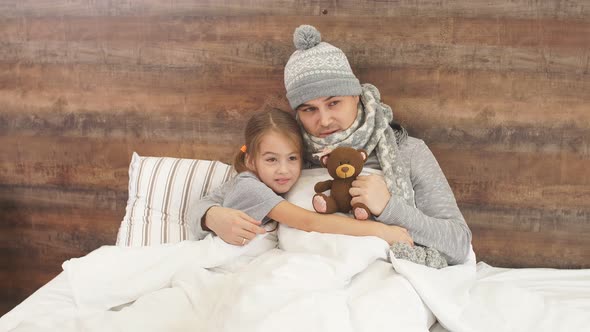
(370,131)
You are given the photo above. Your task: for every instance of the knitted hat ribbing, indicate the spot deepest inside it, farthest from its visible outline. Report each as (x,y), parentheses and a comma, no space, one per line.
(317,69)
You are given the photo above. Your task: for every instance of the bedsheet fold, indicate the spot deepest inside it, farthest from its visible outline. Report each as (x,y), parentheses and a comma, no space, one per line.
(478,297)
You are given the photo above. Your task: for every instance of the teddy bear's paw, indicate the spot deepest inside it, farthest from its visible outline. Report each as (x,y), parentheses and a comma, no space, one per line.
(319,204)
(360,213)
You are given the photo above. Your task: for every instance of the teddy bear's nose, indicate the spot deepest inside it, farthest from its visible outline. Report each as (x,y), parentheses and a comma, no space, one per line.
(345,169)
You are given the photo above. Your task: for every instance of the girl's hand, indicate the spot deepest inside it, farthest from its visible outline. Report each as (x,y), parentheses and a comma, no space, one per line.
(372,191)
(232,226)
(394,234)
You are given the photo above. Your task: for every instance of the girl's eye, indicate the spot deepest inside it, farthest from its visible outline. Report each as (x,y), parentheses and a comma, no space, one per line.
(334,103)
(271,160)
(293,158)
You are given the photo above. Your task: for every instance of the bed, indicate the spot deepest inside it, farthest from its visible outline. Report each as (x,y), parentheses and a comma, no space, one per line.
(159,278)
(507,300)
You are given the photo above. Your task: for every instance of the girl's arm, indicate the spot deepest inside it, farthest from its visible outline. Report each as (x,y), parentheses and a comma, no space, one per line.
(300,218)
(202,206)
(248,200)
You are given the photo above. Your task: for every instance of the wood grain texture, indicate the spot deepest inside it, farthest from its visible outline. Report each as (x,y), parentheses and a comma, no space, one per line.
(573,10)
(148,8)
(500,92)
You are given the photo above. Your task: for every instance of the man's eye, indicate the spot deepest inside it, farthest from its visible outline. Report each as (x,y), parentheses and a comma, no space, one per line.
(293,158)
(271,160)
(334,103)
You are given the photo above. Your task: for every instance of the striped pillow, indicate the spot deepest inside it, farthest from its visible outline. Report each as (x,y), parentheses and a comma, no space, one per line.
(162,193)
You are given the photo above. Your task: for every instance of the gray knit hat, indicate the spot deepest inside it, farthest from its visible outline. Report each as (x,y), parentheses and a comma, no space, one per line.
(317,69)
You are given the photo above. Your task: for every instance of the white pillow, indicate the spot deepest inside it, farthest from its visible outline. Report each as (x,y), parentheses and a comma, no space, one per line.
(162,196)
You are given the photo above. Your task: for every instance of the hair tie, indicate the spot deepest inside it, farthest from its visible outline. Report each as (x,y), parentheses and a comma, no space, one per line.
(243,148)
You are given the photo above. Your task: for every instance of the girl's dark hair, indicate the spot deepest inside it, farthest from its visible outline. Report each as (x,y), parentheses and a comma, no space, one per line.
(271,120)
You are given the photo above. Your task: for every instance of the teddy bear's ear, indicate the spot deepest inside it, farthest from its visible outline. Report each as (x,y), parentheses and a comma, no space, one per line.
(364,154)
(324,160)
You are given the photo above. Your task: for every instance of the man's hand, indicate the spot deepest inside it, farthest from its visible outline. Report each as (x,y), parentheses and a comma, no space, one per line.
(232,226)
(372,191)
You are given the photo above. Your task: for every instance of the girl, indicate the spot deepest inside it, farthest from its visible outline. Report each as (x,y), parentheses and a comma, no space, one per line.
(268,165)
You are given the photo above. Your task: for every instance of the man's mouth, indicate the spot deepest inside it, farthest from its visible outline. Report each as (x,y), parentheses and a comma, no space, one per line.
(327,133)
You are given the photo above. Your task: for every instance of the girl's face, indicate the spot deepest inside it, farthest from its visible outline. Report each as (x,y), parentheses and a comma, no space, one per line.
(277,163)
(325,116)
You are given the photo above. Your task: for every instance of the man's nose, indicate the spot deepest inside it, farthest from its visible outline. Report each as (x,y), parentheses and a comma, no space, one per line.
(325,118)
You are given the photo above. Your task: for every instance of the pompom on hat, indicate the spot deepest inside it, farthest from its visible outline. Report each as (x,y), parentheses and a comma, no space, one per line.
(317,69)
(306,37)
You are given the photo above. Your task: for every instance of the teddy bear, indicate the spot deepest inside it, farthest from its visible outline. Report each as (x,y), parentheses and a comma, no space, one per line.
(344,164)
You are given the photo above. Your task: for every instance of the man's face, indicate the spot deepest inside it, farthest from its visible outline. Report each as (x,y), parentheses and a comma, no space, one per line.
(325,116)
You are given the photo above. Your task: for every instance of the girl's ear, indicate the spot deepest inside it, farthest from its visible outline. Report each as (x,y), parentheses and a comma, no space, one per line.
(249,162)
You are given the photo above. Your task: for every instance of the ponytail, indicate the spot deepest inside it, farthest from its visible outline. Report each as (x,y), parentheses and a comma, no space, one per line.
(240,162)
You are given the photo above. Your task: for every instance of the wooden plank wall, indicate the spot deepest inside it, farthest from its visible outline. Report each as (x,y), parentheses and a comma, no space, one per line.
(500,90)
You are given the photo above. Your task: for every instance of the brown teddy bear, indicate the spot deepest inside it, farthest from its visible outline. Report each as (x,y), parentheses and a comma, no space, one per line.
(344,164)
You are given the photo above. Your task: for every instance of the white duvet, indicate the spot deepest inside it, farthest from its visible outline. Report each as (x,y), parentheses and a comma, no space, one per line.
(313,282)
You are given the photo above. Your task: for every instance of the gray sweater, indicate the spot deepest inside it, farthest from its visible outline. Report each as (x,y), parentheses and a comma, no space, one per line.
(247,193)
(435,221)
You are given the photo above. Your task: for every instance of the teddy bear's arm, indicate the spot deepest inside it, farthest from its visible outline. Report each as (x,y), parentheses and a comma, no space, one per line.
(323,186)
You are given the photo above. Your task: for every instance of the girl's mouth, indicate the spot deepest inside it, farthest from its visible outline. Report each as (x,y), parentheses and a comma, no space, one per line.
(282,181)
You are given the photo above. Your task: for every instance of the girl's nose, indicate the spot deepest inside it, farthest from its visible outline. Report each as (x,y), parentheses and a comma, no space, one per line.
(283,167)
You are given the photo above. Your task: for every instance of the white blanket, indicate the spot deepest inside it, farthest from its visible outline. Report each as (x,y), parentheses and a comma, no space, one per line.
(472,297)
(313,282)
